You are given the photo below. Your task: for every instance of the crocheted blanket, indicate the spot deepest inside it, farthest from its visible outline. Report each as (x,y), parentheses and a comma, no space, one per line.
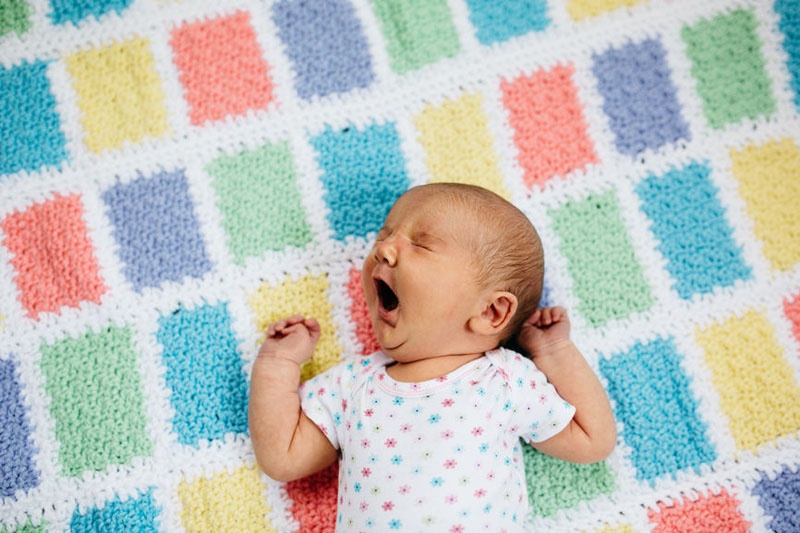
(176,175)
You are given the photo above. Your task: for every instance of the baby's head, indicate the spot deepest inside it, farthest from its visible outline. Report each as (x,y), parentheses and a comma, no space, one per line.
(455,268)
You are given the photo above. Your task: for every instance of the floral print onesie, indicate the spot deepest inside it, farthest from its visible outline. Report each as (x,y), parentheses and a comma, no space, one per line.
(442,455)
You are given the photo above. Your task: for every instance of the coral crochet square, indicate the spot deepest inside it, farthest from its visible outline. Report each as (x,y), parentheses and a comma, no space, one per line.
(96,400)
(359,312)
(52,256)
(204,374)
(140,513)
(658,410)
(156,230)
(709,512)
(791,306)
(363,172)
(222,68)
(17,450)
(639,97)
(260,201)
(119,94)
(30,126)
(325,41)
(496,22)
(550,130)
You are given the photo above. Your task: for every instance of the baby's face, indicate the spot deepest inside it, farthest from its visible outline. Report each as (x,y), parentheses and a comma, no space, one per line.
(419,280)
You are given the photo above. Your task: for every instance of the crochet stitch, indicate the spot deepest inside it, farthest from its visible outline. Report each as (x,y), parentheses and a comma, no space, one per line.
(174,176)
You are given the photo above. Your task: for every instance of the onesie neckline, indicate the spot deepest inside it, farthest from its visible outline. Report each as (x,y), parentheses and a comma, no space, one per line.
(425,388)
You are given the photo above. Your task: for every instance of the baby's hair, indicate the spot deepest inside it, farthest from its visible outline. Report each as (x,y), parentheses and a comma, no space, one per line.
(508,251)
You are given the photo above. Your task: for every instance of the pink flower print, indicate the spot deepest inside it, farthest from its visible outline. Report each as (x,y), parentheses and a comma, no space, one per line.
(387,506)
(442,379)
(474,382)
(366,472)
(451,500)
(363,507)
(533,384)
(448,434)
(448,402)
(458,528)
(365,443)
(490,476)
(405,428)
(477,431)
(450,464)
(321,392)
(480,493)
(344,405)
(391,443)
(405,489)
(369,412)
(542,399)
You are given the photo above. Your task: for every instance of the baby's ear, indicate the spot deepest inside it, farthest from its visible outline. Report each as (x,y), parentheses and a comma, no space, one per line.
(496,314)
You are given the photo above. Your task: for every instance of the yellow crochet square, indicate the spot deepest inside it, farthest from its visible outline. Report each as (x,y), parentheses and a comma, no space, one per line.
(581,9)
(307,296)
(768,177)
(119,94)
(756,385)
(458,144)
(228,501)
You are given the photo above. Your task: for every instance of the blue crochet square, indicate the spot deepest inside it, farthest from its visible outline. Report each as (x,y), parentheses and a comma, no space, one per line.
(16,447)
(325,42)
(64,11)
(693,233)
(363,173)
(136,514)
(657,409)
(780,500)
(156,230)
(30,127)
(496,22)
(639,97)
(205,376)
(789,12)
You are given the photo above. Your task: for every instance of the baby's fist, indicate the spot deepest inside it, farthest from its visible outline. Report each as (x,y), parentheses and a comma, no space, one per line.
(292,338)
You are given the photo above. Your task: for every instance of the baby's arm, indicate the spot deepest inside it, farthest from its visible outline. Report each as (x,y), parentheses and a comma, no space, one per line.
(591,435)
(287,444)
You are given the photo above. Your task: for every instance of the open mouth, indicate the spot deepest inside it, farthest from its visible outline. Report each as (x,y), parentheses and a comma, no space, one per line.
(386,296)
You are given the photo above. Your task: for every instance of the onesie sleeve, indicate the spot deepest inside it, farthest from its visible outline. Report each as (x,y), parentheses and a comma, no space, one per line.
(537,410)
(324,397)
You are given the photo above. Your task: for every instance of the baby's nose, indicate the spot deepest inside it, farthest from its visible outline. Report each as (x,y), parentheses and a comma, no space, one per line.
(386,251)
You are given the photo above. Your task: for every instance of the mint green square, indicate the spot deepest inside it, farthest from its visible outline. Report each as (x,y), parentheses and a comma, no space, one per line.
(607,278)
(260,202)
(554,485)
(730,71)
(14,16)
(96,400)
(417,32)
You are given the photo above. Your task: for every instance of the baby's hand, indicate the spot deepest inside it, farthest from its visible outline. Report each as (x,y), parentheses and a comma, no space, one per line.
(293,338)
(544,331)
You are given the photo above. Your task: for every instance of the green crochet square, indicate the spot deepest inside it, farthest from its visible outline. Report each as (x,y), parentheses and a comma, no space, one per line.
(260,201)
(554,484)
(607,278)
(417,32)
(730,71)
(96,400)
(14,16)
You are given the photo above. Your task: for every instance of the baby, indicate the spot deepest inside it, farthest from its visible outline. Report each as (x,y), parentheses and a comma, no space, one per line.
(427,430)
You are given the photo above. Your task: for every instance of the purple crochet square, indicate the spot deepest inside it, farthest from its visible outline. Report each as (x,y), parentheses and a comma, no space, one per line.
(639,97)
(17,466)
(780,499)
(156,230)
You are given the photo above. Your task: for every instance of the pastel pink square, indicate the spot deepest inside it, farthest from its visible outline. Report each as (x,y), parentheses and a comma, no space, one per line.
(359,313)
(221,68)
(550,130)
(52,256)
(792,309)
(709,513)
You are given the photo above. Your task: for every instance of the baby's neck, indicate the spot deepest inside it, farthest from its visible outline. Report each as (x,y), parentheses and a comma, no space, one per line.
(430,368)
